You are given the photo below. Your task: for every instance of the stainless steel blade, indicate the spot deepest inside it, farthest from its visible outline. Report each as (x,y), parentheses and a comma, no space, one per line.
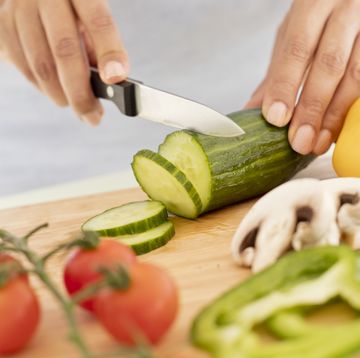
(179,112)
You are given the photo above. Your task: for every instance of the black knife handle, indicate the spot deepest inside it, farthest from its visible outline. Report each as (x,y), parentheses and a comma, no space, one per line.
(122,93)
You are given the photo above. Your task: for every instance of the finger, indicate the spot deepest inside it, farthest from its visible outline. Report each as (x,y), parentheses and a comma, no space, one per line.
(110,52)
(12,49)
(325,74)
(294,55)
(88,44)
(257,97)
(346,94)
(37,51)
(61,30)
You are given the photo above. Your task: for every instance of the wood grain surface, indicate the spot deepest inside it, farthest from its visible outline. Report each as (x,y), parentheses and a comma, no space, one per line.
(197,257)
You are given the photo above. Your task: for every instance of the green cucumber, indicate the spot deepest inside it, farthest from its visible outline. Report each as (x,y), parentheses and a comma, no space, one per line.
(131,218)
(164,182)
(149,240)
(229,170)
(185,152)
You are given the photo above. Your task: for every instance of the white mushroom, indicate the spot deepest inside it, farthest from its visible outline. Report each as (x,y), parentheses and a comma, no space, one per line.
(346,195)
(297,214)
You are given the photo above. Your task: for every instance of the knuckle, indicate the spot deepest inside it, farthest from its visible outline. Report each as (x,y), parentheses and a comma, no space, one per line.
(313,106)
(334,113)
(354,71)
(102,22)
(333,120)
(104,57)
(66,47)
(81,101)
(44,69)
(283,88)
(296,49)
(333,62)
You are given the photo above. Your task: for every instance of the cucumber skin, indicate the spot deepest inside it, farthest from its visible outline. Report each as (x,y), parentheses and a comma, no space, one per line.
(155,243)
(132,228)
(249,165)
(173,170)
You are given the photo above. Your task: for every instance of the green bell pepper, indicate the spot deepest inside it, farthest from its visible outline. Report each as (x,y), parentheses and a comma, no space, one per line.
(310,277)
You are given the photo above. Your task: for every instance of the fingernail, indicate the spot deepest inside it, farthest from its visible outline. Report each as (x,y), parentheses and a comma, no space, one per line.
(323,142)
(93,118)
(303,139)
(113,70)
(277,114)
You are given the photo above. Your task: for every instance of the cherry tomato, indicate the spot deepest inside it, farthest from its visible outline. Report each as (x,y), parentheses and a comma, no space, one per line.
(82,265)
(145,309)
(19,312)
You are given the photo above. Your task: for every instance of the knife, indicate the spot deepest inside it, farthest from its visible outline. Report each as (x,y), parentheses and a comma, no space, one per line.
(133,98)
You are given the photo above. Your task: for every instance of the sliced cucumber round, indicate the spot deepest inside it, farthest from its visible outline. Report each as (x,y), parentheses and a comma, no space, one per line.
(130,218)
(164,182)
(185,152)
(149,240)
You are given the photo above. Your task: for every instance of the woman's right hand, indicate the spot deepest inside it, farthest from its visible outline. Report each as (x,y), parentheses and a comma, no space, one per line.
(53,43)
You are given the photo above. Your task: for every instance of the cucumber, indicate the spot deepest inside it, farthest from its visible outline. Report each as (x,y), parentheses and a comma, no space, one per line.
(229,170)
(149,240)
(164,182)
(184,151)
(131,218)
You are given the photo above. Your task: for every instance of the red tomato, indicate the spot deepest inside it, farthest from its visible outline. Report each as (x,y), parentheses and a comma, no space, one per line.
(83,265)
(145,309)
(19,312)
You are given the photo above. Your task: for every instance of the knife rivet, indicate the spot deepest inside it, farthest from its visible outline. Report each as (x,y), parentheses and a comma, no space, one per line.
(110,91)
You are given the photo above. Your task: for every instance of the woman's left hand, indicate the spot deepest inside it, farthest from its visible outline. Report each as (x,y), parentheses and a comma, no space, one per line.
(317,50)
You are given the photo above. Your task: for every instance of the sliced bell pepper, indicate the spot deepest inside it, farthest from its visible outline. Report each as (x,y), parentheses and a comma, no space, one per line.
(310,277)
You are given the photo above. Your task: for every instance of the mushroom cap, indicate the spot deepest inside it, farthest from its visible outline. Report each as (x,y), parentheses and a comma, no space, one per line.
(298,213)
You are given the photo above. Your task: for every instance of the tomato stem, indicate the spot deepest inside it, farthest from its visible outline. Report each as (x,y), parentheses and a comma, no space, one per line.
(68,308)
(88,291)
(32,232)
(118,279)
(13,243)
(88,240)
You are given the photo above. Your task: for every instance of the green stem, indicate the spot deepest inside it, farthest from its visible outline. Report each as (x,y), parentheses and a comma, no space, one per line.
(68,308)
(5,248)
(55,251)
(88,291)
(67,305)
(88,240)
(32,232)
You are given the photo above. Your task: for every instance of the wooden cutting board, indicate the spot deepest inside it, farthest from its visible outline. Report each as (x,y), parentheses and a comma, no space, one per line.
(197,257)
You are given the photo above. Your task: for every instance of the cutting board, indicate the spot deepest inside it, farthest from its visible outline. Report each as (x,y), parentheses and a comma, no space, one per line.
(197,257)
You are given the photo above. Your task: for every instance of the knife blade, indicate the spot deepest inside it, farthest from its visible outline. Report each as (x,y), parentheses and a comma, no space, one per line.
(133,98)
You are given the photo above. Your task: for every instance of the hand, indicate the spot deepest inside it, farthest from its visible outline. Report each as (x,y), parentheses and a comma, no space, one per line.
(317,51)
(53,42)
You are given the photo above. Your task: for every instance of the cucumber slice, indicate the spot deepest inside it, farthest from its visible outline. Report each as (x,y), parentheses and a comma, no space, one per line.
(149,240)
(164,182)
(185,152)
(130,218)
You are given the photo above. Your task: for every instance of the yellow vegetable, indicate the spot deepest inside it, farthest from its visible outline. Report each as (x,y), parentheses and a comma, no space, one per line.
(346,157)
